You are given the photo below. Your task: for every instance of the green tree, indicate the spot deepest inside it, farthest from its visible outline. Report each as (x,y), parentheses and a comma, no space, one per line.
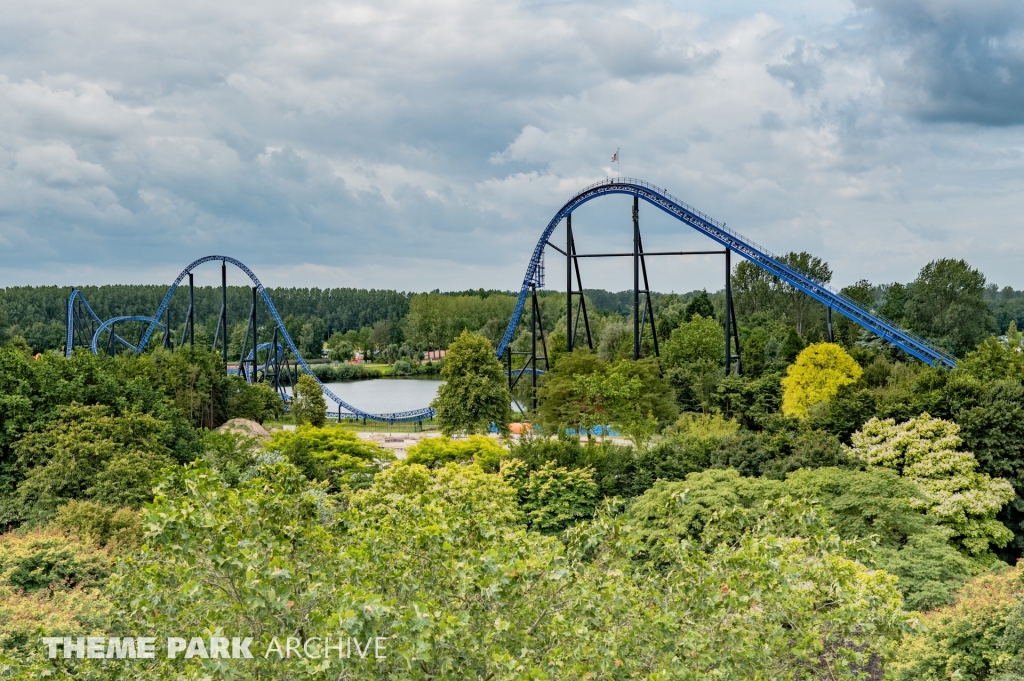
(754,289)
(339,349)
(699,340)
(564,402)
(799,303)
(816,376)
(475,392)
(693,358)
(311,337)
(308,404)
(894,301)
(946,303)
(701,305)
(924,450)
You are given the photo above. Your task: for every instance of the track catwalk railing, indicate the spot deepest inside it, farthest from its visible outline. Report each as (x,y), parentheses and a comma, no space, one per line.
(353,412)
(760,256)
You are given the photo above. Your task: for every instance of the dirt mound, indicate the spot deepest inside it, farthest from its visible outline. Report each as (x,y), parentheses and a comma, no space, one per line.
(245,427)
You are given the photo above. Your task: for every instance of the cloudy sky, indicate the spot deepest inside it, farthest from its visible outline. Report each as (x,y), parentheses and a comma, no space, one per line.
(420,145)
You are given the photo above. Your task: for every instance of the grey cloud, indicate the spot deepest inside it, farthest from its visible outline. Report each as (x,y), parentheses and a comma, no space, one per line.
(771,121)
(953,60)
(800,70)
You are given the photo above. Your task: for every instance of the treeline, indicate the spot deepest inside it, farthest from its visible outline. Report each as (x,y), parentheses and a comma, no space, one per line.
(950,303)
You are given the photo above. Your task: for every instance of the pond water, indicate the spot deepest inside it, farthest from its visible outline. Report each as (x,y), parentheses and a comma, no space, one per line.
(385,395)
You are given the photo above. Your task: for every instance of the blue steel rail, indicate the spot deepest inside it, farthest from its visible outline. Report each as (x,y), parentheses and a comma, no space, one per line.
(70,340)
(760,256)
(353,412)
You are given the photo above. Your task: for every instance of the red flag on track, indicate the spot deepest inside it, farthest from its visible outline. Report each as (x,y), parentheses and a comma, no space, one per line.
(615,156)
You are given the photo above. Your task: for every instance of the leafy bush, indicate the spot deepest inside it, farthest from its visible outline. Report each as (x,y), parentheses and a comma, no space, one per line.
(551,497)
(980,637)
(345,372)
(402,368)
(229,453)
(449,542)
(26,617)
(117,529)
(434,452)
(774,454)
(42,559)
(88,453)
(332,454)
(874,507)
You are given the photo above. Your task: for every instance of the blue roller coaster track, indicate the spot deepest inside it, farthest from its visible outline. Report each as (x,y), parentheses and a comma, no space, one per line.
(153,324)
(731,240)
(760,256)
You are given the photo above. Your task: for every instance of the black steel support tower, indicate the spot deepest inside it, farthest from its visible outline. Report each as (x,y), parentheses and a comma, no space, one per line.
(222,325)
(728,312)
(572,321)
(191,310)
(636,277)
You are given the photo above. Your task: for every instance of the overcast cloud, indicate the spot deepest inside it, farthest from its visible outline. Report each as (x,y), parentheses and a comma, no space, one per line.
(419,145)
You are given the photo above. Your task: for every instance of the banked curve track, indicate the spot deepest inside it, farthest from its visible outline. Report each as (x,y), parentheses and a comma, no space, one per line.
(353,412)
(760,256)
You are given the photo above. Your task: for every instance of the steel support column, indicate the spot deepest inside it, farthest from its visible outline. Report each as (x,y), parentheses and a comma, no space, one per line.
(636,277)
(831,334)
(224,308)
(728,312)
(167,329)
(649,304)
(533,351)
(191,310)
(255,336)
(569,340)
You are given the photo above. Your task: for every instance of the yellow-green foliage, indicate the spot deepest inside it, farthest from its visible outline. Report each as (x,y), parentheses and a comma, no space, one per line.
(117,529)
(48,586)
(47,559)
(331,453)
(25,617)
(704,426)
(956,494)
(437,451)
(816,376)
(978,637)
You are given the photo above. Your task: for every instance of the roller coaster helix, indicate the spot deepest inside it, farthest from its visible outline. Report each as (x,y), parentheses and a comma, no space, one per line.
(84,328)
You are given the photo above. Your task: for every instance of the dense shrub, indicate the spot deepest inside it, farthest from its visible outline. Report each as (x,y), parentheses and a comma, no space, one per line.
(434,452)
(333,454)
(345,372)
(980,637)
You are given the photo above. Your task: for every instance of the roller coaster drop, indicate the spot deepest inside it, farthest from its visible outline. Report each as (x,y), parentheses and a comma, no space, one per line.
(84,326)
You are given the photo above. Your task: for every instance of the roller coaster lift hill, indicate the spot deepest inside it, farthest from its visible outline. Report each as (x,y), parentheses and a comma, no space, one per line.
(282,360)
